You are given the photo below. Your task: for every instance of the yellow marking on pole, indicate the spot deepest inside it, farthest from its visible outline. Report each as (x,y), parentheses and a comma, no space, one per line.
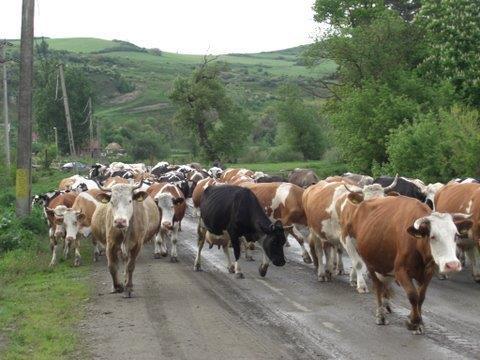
(21,185)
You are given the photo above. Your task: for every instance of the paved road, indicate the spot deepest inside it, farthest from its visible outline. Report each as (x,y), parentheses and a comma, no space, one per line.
(181,314)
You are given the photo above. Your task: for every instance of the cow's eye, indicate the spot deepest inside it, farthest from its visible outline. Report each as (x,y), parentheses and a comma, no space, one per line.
(129,201)
(432,237)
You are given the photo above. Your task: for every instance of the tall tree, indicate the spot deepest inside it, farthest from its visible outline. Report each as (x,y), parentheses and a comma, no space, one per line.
(206,112)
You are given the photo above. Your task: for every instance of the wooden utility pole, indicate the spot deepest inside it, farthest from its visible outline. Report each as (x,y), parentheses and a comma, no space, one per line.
(67,113)
(6,120)
(24,146)
(56,137)
(90,125)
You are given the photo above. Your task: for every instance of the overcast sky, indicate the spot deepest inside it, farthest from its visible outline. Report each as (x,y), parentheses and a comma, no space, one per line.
(186,26)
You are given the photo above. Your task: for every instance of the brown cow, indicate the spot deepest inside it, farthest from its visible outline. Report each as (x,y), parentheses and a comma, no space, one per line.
(56,231)
(401,238)
(283,201)
(464,198)
(198,192)
(78,219)
(327,209)
(231,172)
(108,183)
(303,177)
(131,218)
(171,205)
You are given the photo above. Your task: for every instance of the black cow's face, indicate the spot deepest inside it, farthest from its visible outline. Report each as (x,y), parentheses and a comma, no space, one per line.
(273,244)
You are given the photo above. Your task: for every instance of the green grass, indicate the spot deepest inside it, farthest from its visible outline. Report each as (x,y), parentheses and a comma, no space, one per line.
(39,306)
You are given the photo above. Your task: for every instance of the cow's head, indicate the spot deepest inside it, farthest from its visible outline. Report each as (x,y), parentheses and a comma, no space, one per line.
(440,230)
(430,194)
(274,242)
(215,172)
(56,218)
(121,198)
(372,191)
(166,202)
(73,223)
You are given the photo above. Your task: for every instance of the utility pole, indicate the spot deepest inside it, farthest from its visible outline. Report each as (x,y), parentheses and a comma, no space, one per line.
(90,125)
(56,137)
(24,148)
(6,120)
(67,112)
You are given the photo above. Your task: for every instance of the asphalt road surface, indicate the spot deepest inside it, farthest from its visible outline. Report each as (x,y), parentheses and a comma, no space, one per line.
(177,313)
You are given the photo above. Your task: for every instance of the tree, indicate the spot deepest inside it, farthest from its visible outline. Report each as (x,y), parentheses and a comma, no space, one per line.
(206,112)
(452,28)
(300,125)
(48,109)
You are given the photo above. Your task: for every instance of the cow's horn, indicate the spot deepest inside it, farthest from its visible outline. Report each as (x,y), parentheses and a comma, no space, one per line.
(138,186)
(392,185)
(352,191)
(101,187)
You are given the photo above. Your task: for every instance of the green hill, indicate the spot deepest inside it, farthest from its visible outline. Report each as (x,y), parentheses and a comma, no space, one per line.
(132,83)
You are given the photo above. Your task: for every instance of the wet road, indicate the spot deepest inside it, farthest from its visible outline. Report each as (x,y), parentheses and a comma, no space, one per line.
(181,314)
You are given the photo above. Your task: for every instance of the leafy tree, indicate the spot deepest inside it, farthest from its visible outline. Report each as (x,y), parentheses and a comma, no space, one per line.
(453,33)
(206,112)
(300,125)
(49,111)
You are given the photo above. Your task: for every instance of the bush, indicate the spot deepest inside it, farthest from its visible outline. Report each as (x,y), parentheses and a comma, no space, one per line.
(285,153)
(20,234)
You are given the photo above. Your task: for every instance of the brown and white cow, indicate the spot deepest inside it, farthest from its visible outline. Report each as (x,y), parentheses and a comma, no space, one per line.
(283,201)
(327,209)
(464,198)
(401,238)
(198,192)
(172,206)
(77,219)
(131,218)
(77,183)
(56,228)
(108,183)
(228,174)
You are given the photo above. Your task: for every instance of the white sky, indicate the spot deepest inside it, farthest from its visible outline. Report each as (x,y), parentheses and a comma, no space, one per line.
(186,26)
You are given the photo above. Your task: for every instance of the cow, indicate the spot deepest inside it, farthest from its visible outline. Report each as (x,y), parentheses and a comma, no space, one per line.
(430,192)
(198,192)
(270,179)
(98,172)
(405,187)
(229,212)
(464,198)
(172,206)
(464,181)
(193,178)
(239,179)
(302,177)
(358,179)
(230,173)
(56,231)
(131,218)
(177,178)
(327,210)
(77,219)
(77,183)
(401,238)
(160,168)
(283,201)
(108,183)
(215,172)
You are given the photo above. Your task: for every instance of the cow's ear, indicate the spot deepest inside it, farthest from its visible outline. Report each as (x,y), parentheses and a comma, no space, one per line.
(104,198)
(355,197)
(393,193)
(140,196)
(463,226)
(81,216)
(422,231)
(49,211)
(178,201)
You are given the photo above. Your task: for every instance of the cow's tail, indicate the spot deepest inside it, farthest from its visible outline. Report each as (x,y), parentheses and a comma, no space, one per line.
(311,243)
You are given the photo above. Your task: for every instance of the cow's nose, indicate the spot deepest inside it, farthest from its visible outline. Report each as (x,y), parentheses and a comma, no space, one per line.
(167,225)
(120,223)
(453,266)
(69,238)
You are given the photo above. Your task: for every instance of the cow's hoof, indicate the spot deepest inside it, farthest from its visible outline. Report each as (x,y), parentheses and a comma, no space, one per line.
(381,320)
(239,275)
(249,258)
(95,257)
(157,256)
(341,272)
(102,252)
(197,267)
(322,278)
(117,289)
(263,270)
(362,289)
(76,262)
(353,283)
(173,259)
(128,293)
(387,308)
(306,258)
(413,326)
(442,277)
(420,330)
(164,253)
(231,269)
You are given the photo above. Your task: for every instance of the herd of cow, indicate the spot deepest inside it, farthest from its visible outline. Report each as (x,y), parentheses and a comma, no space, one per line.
(393,229)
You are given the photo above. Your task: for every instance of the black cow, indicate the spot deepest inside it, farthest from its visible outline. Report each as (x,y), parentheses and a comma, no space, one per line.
(270,179)
(232,212)
(98,172)
(403,187)
(178,179)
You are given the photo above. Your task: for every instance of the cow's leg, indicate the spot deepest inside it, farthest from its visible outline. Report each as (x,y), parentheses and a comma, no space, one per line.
(112,260)
(157,242)
(299,237)
(78,258)
(322,276)
(246,246)
(329,251)
(53,247)
(414,322)
(339,268)
(66,248)
(264,265)
(236,251)
(129,268)
(163,242)
(174,239)
(230,266)
(311,243)
(358,266)
(473,255)
(180,225)
(379,292)
(96,249)
(201,232)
